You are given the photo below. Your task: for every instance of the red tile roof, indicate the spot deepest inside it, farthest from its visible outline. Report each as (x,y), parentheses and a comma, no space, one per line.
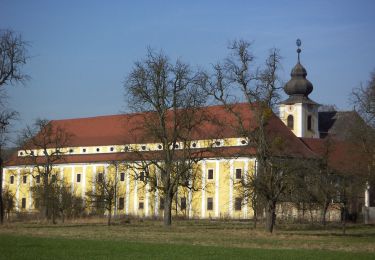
(341,156)
(126,128)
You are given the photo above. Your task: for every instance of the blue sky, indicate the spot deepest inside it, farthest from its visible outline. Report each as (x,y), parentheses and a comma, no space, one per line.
(81,51)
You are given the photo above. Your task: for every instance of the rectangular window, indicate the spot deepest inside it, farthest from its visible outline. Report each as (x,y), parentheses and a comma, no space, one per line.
(210,174)
(210,204)
(100,177)
(141,205)
(121,203)
(23,203)
(54,178)
(122,176)
(238,174)
(183,203)
(37,179)
(142,176)
(24,179)
(78,177)
(238,203)
(161,206)
(11,179)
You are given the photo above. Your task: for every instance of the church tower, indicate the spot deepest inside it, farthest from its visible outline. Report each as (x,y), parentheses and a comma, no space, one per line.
(299,112)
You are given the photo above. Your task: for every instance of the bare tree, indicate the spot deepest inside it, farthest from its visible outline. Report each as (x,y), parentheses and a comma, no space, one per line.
(13,56)
(43,146)
(6,117)
(171,96)
(106,192)
(238,79)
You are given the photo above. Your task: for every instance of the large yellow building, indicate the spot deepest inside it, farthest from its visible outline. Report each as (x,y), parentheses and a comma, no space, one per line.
(106,146)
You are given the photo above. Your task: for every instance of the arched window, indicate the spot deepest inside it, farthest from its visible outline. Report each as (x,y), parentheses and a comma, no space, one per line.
(309,122)
(290,122)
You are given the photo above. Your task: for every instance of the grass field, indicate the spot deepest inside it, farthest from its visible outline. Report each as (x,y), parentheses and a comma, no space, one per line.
(184,240)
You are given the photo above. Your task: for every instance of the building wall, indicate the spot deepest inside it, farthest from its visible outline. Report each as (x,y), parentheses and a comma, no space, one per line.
(223,188)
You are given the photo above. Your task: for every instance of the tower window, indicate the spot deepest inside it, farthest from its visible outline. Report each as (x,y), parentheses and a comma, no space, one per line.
(78,177)
(290,122)
(309,122)
(122,176)
(23,203)
(24,179)
(11,179)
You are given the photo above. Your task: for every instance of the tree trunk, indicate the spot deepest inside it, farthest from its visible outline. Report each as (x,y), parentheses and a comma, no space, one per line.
(324,213)
(270,216)
(109,217)
(344,220)
(255,218)
(168,210)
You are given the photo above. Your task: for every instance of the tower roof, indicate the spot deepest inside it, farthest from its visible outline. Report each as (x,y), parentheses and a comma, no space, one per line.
(298,87)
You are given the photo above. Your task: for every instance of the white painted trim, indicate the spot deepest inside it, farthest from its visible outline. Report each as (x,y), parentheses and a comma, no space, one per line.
(245,182)
(93,180)
(135,206)
(217,190)
(127,192)
(72,178)
(18,189)
(190,199)
(30,193)
(83,180)
(231,175)
(367,195)
(203,166)
(147,187)
(156,201)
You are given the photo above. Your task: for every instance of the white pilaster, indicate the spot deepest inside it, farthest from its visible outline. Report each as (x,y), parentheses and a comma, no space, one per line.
(18,189)
(73,175)
(245,182)
(231,176)
(203,213)
(367,195)
(190,198)
(30,193)
(147,199)
(83,188)
(127,192)
(135,197)
(217,190)
(156,202)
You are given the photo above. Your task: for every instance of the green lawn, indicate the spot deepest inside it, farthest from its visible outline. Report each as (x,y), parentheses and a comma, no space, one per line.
(25,247)
(184,240)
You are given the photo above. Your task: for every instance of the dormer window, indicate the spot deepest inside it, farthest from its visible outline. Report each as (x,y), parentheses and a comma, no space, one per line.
(143,147)
(21,153)
(194,145)
(243,142)
(160,147)
(126,148)
(111,149)
(71,150)
(290,122)
(176,146)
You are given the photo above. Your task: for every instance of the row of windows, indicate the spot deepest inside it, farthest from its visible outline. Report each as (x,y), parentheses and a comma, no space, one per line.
(141,177)
(127,148)
(210,204)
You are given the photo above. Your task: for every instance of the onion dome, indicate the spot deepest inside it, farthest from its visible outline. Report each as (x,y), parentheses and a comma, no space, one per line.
(298,85)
